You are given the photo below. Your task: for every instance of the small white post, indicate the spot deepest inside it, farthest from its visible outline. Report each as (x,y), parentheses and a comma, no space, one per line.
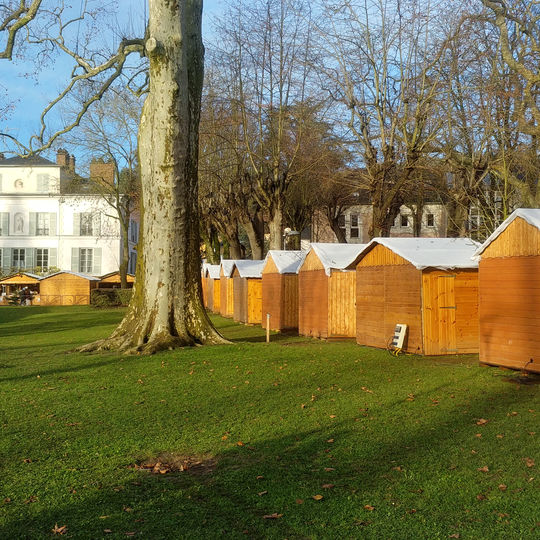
(268,328)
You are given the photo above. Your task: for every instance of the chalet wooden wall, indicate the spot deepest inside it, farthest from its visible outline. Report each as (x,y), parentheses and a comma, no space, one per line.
(216,302)
(240,298)
(509,298)
(66,289)
(210,293)
(313,302)
(204,283)
(226,296)
(289,302)
(254,300)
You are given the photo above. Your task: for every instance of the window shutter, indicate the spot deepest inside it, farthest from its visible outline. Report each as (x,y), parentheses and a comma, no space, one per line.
(29,258)
(5,223)
(52,224)
(6,259)
(96,256)
(53,256)
(76,224)
(1,189)
(96,224)
(32,222)
(74,259)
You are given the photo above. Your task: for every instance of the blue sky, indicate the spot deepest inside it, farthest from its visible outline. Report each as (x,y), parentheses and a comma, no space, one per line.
(33,89)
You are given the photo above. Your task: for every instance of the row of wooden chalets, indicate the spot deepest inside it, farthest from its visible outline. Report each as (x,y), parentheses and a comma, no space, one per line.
(59,289)
(454,295)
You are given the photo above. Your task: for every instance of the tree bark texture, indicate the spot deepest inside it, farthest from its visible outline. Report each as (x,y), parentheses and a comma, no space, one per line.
(166,310)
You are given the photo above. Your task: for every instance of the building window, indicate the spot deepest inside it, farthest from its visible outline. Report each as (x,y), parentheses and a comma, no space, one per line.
(355,229)
(86,224)
(430,220)
(42,258)
(85,260)
(42,224)
(341,222)
(18,257)
(133,230)
(42,183)
(404,220)
(475,219)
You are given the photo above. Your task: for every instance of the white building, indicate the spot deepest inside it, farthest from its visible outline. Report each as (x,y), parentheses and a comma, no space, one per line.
(47,220)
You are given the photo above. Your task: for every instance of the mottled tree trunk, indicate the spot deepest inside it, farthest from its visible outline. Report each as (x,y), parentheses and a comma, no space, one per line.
(275,227)
(255,238)
(166,309)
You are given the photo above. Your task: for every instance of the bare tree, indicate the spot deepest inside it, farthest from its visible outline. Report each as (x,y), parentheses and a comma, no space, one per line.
(166,310)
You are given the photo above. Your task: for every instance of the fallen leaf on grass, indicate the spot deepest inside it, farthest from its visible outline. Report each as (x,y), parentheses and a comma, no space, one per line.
(299,501)
(107,531)
(260,477)
(479,435)
(455,535)
(327,486)
(502,487)
(369,508)
(398,468)
(484,469)
(30,499)
(367,390)
(332,416)
(317,497)
(131,533)
(330,440)
(500,436)
(59,530)
(275,515)
(513,413)
(261,493)
(481,497)
(529,462)
(224,438)
(240,443)
(481,422)
(410,397)
(329,469)
(411,511)
(7,500)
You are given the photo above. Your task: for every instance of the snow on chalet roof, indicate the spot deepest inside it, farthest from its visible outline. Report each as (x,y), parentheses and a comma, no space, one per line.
(213,270)
(336,256)
(249,269)
(442,253)
(530,215)
(228,266)
(287,262)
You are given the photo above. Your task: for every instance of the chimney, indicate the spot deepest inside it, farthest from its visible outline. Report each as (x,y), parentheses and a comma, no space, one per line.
(102,171)
(71,165)
(62,157)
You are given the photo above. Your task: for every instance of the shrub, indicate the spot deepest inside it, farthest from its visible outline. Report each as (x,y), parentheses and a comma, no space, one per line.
(110,297)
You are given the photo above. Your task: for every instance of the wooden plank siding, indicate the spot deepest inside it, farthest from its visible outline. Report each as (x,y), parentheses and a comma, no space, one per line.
(519,239)
(382,256)
(204,284)
(226,301)
(240,298)
(210,293)
(342,304)
(509,300)
(313,300)
(66,289)
(254,300)
(289,302)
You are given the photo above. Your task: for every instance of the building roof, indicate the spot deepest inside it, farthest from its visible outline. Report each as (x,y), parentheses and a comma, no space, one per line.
(27,274)
(336,256)
(530,215)
(249,269)
(287,262)
(213,270)
(32,161)
(422,253)
(228,266)
(78,274)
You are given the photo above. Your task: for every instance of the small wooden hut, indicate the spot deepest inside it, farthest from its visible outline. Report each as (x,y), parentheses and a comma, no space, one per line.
(247,276)
(112,281)
(429,284)
(213,287)
(509,293)
(226,288)
(67,289)
(204,284)
(280,289)
(14,283)
(327,291)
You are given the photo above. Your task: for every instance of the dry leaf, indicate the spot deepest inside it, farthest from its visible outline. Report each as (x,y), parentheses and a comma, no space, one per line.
(240,443)
(299,501)
(330,440)
(479,435)
(261,493)
(327,486)
(500,436)
(502,487)
(513,413)
(529,462)
(455,535)
(131,533)
(329,469)
(317,497)
(260,477)
(303,406)
(224,438)
(398,468)
(481,422)
(484,469)
(332,416)
(275,515)
(30,499)
(107,531)
(367,390)
(59,530)
(369,508)
(481,497)
(411,511)
(7,500)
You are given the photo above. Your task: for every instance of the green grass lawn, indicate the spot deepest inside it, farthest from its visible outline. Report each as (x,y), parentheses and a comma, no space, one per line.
(406,447)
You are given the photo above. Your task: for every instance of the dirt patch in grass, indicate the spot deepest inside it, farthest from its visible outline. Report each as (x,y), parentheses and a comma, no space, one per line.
(168,463)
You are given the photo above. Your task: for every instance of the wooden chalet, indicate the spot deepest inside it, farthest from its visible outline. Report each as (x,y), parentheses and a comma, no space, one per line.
(213,287)
(226,288)
(429,284)
(509,293)
(112,281)
(247,276)
(280,289)
(204,284)
(16,282)
(327,291)
(67,289)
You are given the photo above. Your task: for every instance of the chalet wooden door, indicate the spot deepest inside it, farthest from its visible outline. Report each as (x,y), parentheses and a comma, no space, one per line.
(446,308)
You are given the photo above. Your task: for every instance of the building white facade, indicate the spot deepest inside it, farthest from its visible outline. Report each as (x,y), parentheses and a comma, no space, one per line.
(44,225)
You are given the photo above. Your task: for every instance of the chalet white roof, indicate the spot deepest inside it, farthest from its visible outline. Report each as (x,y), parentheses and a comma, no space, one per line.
(227,265)
(530,215)
(442,253)
(249,269)
(336,256)
(213,270)
(287,262)
(28,274)
(78,274)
